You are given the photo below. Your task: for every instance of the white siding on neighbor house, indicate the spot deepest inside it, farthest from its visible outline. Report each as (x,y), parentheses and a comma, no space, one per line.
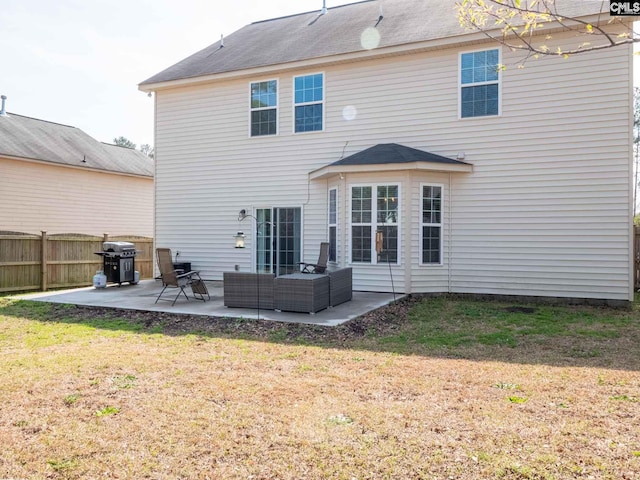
(58,199)
(546,210)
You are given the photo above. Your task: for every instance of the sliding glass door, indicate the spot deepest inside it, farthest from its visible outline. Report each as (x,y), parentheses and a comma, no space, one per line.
(278,234)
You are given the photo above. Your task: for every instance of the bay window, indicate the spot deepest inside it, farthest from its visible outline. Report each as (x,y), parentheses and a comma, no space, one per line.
(333,224)
(374,224)
(431,224)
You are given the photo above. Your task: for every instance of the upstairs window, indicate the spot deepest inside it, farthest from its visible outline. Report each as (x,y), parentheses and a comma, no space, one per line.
(479,83)
(308,100)
(264,108)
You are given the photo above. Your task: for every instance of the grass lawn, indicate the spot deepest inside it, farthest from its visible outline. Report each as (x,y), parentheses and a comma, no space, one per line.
(444,388)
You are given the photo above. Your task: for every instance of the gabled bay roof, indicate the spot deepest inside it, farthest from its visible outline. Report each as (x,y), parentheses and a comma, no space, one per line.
(392,153)
(340,31)
(388,157)
(33,139)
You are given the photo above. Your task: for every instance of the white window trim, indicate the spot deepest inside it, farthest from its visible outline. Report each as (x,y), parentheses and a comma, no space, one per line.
(294,104)
(254,224)
(329,224)
(277,107)
(477,84)
(441,224)
(374,223)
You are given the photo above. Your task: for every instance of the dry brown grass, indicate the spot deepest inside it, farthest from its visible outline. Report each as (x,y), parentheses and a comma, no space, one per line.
(86,398)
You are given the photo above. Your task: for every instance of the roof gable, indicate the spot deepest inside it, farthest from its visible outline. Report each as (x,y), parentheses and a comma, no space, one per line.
(30,138)
(311,35)
(386,153)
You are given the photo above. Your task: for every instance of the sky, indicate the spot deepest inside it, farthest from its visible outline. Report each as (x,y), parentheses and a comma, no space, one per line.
(79,62)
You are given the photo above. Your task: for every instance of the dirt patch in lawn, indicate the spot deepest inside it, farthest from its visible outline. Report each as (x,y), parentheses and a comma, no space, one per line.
(383,321)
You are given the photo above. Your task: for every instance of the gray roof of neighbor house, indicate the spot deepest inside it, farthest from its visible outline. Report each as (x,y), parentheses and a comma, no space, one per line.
(310,35)
(33,139)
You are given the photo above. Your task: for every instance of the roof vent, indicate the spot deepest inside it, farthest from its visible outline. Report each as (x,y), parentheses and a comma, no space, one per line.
(3,112)
(380,16)
(324,8)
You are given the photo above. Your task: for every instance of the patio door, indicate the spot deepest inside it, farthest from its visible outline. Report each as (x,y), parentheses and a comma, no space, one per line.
(278,234)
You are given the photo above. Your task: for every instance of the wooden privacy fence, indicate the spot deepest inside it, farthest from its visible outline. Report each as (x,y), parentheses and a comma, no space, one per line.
(41,262)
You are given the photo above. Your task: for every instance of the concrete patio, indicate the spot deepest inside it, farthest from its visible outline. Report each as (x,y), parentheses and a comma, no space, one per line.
(143,297)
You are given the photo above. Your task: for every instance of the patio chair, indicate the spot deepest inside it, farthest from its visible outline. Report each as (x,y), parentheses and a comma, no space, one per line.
(321,265)
(172,279)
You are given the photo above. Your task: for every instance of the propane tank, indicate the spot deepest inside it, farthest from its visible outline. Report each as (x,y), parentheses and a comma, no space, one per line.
(99,279)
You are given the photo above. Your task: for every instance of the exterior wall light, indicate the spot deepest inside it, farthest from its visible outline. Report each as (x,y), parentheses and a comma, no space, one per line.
(239,239)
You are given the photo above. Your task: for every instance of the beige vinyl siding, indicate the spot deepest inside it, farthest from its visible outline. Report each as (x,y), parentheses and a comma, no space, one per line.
(58,199)
(546,210)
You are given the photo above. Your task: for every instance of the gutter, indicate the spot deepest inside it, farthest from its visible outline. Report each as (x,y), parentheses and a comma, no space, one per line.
(82,167)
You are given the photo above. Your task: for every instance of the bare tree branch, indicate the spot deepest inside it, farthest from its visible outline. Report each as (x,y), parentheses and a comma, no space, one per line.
(516,23)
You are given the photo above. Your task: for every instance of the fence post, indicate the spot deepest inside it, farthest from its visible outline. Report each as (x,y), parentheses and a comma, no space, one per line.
(43,259)
(105,237)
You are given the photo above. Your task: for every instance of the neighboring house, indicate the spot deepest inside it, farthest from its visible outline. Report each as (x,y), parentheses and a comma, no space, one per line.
(384,116)
(58,179)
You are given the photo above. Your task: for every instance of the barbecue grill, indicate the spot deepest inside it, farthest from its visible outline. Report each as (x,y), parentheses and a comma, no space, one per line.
(119,260)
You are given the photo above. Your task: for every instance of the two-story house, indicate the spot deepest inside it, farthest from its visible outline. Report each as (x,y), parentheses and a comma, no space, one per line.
(386,129)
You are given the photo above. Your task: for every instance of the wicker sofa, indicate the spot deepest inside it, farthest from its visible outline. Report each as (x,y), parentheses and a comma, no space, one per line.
(249,290)
(297,292)
(302,292)
(340,286)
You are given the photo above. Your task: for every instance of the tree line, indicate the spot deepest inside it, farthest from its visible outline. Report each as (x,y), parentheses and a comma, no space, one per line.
(145,148)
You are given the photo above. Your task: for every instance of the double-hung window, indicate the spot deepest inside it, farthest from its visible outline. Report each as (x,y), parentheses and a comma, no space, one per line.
(308,102)
(374,224)
(264,108)
(431,223)
(479,83)
(333,223)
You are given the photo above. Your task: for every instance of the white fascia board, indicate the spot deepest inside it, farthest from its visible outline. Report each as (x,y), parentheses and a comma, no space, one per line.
(76,167)
(332,170)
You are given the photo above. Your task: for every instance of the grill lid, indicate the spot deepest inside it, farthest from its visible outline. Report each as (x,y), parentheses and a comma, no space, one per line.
(118,247)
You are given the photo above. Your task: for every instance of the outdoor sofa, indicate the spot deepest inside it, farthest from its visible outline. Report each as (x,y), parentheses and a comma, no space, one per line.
(296,292)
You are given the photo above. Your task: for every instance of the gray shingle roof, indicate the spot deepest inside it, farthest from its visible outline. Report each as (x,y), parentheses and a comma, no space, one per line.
(308,35)
(34,139)
(385,153)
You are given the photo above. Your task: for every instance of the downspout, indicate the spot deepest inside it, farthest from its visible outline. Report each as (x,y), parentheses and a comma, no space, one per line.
(450,249)
(155,183)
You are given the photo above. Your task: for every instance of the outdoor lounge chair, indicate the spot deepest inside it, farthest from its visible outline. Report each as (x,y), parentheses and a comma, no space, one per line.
(172,279)
(321,265)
